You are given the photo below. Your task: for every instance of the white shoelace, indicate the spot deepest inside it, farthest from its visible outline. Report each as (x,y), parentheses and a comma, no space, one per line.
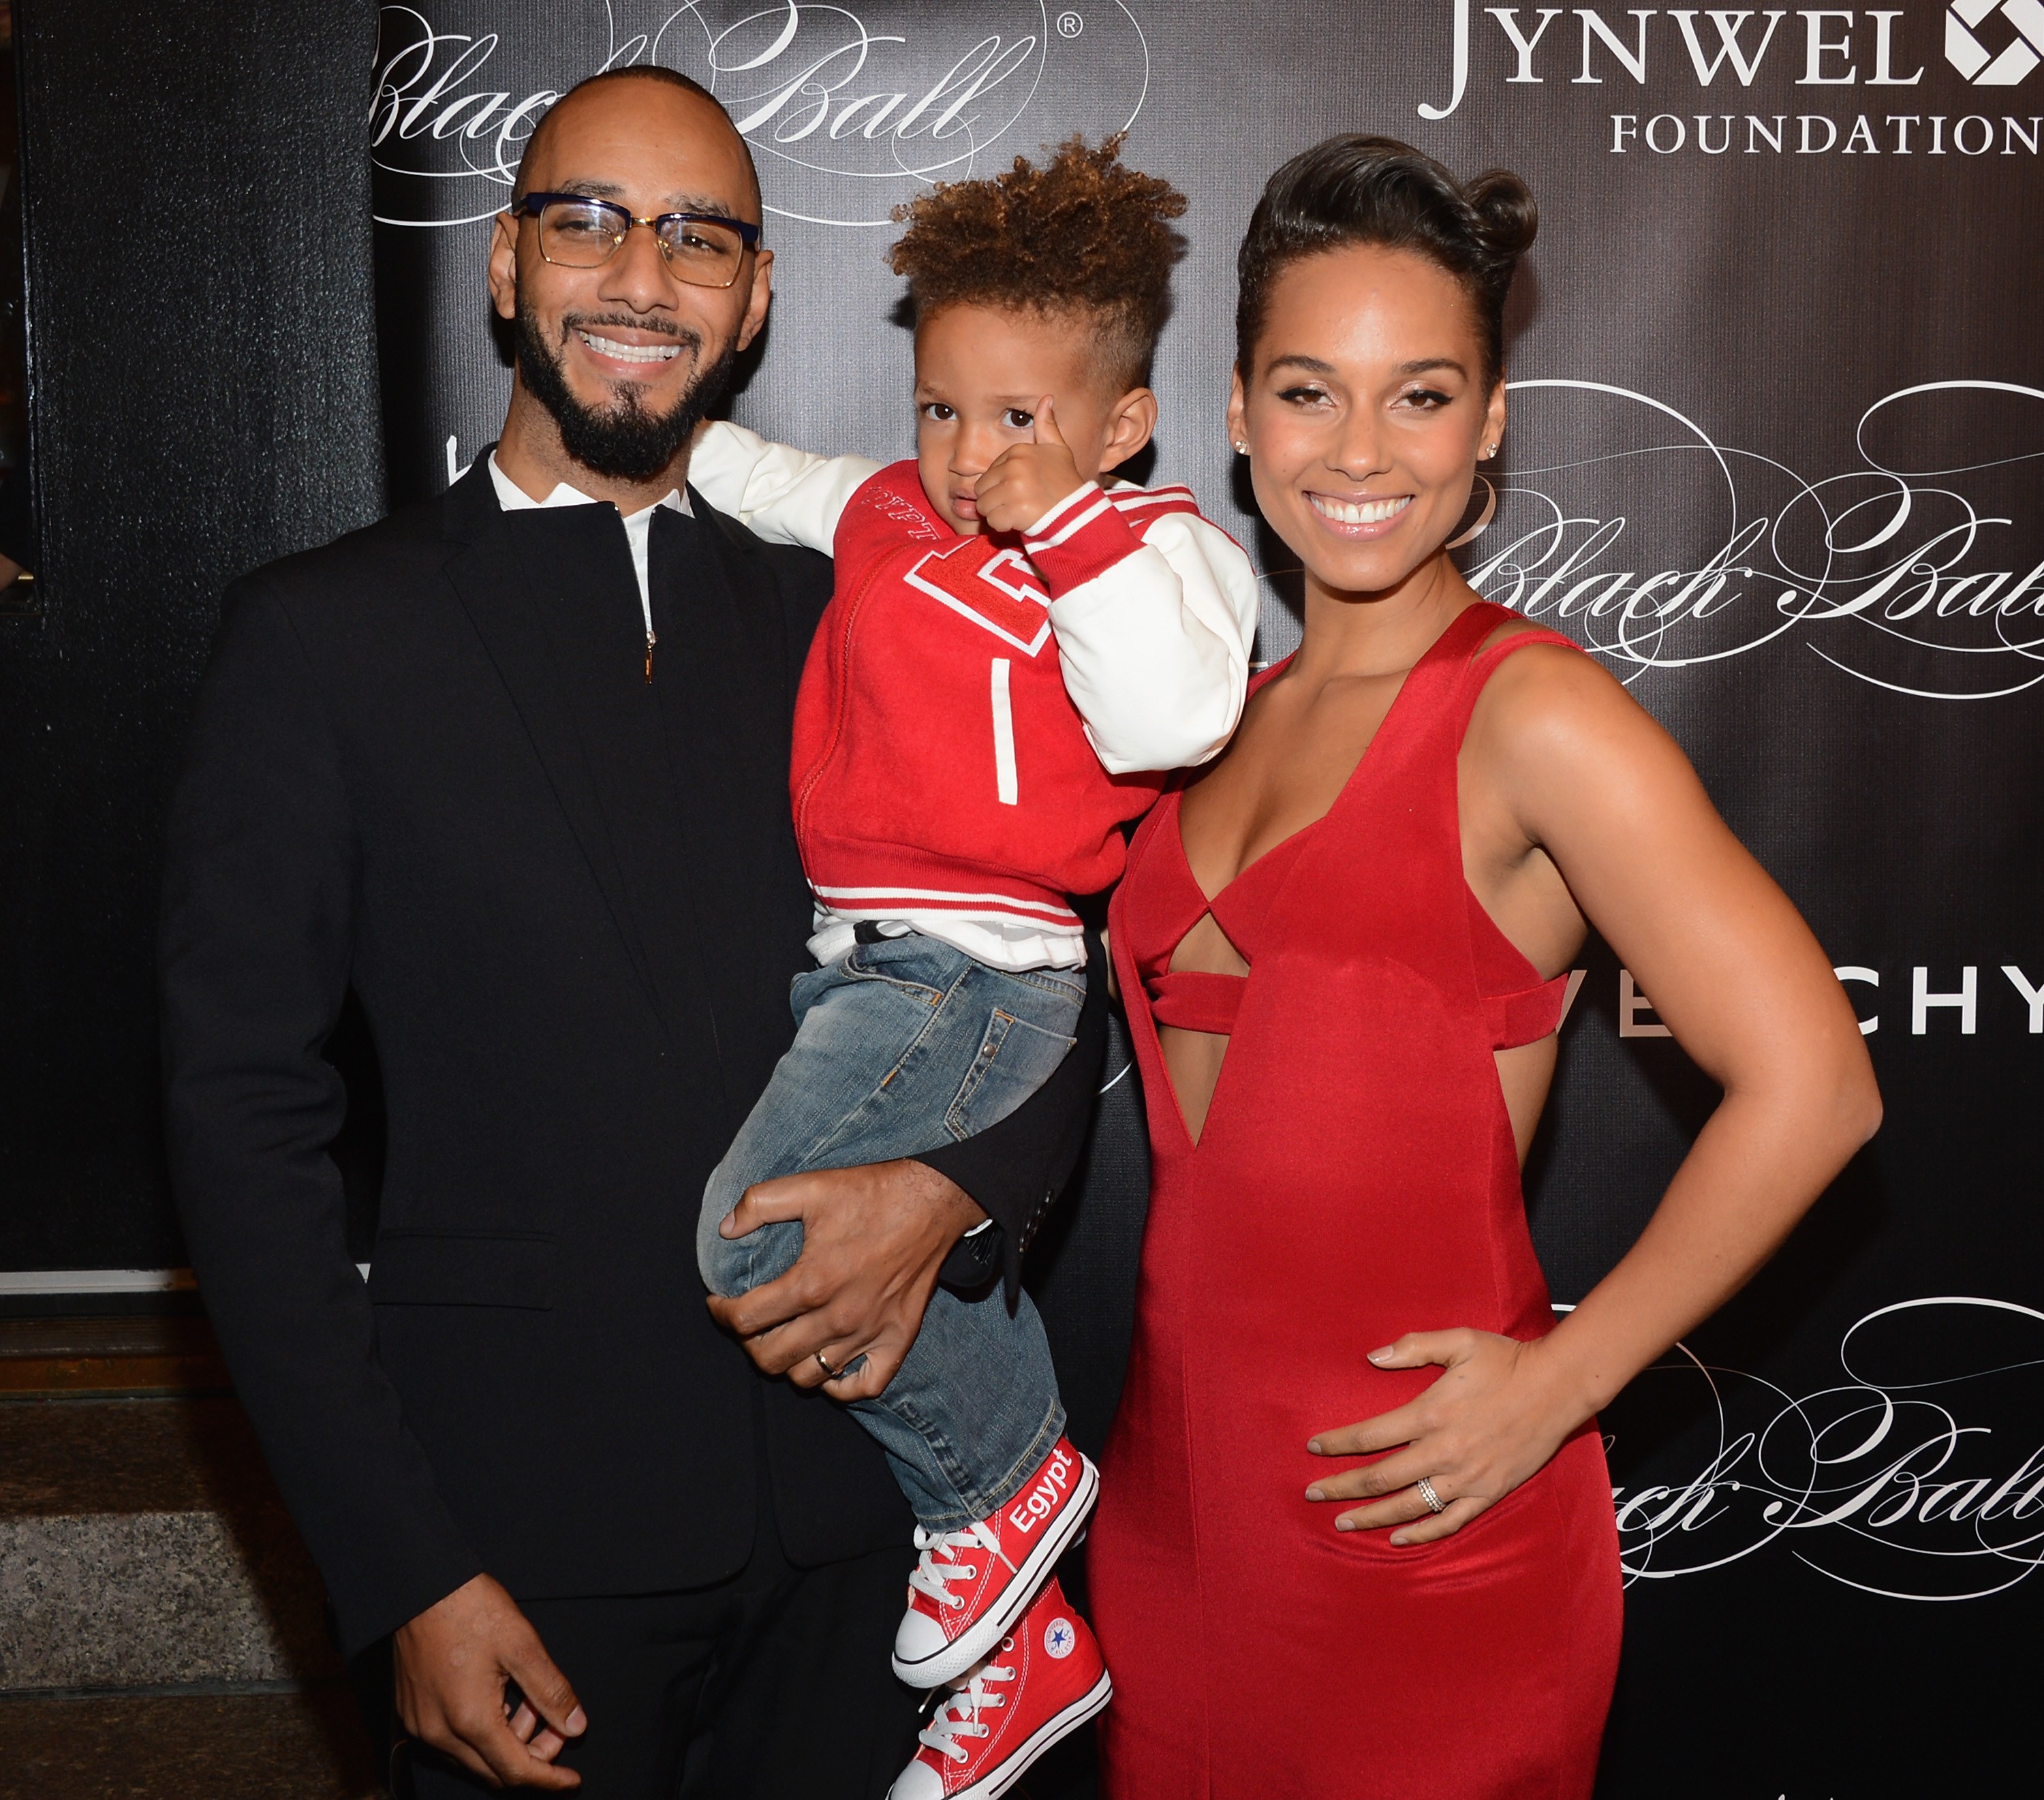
(939,1562)
(958,1717)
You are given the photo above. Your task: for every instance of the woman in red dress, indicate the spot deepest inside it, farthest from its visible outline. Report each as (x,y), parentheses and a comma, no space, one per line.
(1342,946)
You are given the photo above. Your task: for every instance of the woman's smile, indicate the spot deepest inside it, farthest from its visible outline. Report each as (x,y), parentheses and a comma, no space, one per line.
(1358,516)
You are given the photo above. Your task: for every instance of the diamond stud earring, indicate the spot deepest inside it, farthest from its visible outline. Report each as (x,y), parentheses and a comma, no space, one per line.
(1241,449)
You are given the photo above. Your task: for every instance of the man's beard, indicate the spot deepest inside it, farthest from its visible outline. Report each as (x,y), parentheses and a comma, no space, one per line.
(623,440)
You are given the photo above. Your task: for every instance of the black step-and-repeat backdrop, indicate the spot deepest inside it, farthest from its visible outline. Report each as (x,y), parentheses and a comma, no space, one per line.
(1778,415)
(1777,425)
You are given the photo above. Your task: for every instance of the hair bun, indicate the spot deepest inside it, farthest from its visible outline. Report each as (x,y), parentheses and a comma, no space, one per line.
(1504,209)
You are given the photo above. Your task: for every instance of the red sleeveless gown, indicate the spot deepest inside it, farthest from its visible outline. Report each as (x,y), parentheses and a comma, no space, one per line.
(1356,1180)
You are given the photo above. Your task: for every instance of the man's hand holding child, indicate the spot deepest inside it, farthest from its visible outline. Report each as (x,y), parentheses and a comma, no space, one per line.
(1026,479)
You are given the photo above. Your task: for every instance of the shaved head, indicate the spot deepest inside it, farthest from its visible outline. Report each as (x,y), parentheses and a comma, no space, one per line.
(596,89)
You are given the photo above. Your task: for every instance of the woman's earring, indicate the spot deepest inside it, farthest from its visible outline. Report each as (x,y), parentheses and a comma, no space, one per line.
(1241,449)
(1489,450)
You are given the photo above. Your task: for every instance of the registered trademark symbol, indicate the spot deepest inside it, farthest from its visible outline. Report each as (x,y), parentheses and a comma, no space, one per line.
(1069,25)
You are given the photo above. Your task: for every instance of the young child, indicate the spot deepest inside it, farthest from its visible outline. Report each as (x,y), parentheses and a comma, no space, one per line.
(1013,656)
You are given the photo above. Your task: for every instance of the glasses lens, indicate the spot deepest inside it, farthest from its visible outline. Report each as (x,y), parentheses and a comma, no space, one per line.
(580,233)
(699,251)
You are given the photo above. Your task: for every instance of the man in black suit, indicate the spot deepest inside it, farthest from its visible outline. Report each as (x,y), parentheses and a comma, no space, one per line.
(512,766)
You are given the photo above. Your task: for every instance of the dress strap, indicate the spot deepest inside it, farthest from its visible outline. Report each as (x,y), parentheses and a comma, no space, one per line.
(1518,1015)
(1267,673)
(1479,621)
(1528,1015)
(1193,1000)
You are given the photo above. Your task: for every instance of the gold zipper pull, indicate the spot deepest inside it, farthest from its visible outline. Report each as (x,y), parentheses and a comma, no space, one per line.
(650,640)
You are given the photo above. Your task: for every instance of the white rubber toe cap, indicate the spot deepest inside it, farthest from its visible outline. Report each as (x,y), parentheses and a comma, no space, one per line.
(917,1782)
(918,1638)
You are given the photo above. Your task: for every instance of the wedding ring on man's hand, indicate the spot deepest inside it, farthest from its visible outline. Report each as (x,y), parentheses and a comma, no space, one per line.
(830,1374)
(1426,1489)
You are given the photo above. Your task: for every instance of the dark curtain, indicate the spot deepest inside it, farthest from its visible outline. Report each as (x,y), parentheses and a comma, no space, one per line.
(202,391)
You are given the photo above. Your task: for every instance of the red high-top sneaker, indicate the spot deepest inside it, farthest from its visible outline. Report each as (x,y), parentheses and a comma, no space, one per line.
(970,1585)
(1044,1680)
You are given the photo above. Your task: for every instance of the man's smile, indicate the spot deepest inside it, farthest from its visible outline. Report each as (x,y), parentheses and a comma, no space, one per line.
(620,351)
(623,352)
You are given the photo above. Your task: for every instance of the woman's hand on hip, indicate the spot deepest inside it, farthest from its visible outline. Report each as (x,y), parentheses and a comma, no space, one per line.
(1492,1421)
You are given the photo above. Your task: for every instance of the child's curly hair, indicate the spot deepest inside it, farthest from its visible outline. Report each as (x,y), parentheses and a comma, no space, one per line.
(1083,233)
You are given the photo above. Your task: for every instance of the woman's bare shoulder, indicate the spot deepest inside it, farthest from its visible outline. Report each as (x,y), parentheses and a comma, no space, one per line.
(1548,686)
(1553,721)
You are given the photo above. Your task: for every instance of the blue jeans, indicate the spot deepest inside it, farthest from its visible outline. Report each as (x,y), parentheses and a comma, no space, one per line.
(900,1045)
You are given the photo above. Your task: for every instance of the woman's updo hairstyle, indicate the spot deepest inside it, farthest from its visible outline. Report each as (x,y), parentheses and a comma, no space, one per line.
(1355,189)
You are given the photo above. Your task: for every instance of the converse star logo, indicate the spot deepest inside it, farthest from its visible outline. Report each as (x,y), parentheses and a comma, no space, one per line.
(1059,1639)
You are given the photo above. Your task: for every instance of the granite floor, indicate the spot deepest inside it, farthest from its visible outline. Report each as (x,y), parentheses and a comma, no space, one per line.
(142,1546)
(142,1543)
(307,1745)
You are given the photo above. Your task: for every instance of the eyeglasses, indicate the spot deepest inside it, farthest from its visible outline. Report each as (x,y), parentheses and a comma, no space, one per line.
(579,232)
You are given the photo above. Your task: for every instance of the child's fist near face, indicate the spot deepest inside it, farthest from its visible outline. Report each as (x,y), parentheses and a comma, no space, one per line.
(989,434)
(1025,480)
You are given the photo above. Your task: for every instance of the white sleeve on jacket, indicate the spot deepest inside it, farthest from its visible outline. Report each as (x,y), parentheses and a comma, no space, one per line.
(1154,609)
(777,492)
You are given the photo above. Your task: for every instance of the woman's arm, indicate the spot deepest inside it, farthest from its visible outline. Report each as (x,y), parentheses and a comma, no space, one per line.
(1738,977)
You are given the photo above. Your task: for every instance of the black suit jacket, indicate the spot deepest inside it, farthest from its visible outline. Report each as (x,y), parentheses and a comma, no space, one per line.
(426,764)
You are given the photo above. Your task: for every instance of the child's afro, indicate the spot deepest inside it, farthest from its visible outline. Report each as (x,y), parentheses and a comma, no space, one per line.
(1083,233)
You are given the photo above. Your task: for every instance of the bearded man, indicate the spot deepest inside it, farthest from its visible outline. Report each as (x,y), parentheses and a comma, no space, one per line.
(512,765)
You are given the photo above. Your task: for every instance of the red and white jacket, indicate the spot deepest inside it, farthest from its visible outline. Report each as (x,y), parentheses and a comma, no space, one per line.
(979,717)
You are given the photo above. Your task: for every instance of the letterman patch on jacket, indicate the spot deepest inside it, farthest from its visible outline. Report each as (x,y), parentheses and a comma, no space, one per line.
(992,585)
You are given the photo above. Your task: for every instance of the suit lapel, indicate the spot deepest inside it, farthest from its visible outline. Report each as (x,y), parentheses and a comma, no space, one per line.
(724,704)
(722,693)
(676,791)
(493,578)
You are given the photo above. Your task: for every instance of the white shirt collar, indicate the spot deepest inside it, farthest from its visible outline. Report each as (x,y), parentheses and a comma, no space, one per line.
(514,498)
(637,526)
